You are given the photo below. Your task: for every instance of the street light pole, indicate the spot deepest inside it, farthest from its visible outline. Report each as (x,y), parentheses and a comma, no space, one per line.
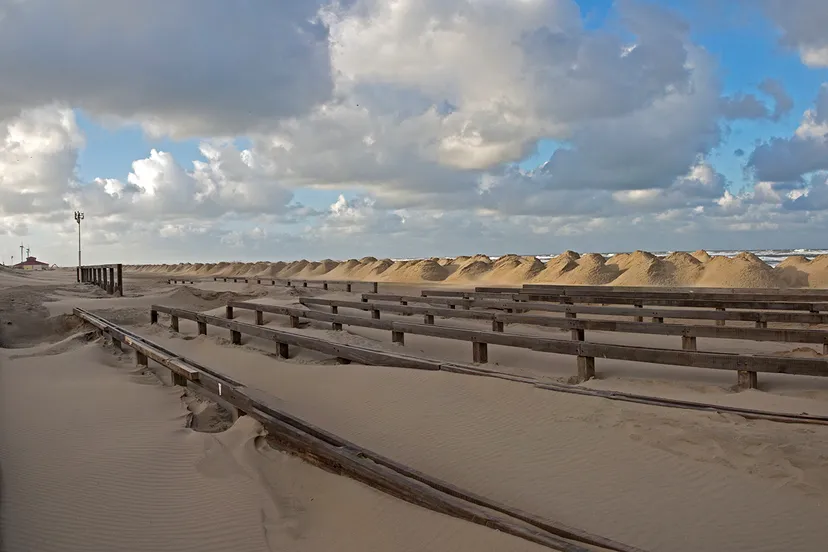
(78,218)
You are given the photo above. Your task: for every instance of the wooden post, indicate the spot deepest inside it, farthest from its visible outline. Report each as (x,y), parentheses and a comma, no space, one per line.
(282,350)
(259,281)
(638,318)
(825,348)
(578,334)
(325,285)
(480,352)
(720,322)
(761,324)
(228,311)
(105,280)
(364,299)
(294,321)
(235,337)
(375,287)
(397,337)
(304,284)
(688,342)
(337,326)
(334,309)
(153,317)
(259,317)
(586,368)
(452,306)
(348,287)
(375,314)
(141,359)
(202,328)
(570,315)
(497,326)
(747,380)
(235,280)
(178,379)
(429,319)
(658,319)
(174,323)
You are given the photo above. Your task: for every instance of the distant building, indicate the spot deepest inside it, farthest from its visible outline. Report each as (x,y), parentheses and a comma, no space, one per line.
(31,264)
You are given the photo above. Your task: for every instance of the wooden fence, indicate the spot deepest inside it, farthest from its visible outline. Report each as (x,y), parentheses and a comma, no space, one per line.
(110,278)
(747,366)
(294,282)
(688,333)
(720,314)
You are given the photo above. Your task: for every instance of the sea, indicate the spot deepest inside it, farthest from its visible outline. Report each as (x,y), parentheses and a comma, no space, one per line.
(771,256)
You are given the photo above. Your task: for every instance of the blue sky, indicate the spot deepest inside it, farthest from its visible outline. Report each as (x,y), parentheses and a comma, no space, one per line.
(743,42)
(345,117)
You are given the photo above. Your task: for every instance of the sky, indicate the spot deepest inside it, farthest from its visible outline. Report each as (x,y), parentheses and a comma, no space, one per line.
(207,130)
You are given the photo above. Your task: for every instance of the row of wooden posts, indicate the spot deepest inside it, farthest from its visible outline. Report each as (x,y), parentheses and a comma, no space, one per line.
(110,278)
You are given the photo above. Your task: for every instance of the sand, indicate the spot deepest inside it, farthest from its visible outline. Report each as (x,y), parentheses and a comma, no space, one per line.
(86,438)
(639,268)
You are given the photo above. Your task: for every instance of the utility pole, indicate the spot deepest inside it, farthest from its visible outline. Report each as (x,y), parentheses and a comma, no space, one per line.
(21,252)
(28,252)
(78,218)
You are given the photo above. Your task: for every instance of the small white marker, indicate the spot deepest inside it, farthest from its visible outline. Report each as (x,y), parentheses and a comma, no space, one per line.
(219,390)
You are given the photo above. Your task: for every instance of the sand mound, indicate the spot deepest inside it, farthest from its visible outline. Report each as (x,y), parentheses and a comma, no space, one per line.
(742,271)
(471,271)
(592,270)
(625,261)
(701,255)
(645,270)
(415,271)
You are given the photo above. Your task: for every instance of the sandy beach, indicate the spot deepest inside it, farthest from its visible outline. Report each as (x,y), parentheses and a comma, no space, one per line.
(97,455)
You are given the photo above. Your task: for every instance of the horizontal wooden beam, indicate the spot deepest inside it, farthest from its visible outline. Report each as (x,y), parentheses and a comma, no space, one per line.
(710,360)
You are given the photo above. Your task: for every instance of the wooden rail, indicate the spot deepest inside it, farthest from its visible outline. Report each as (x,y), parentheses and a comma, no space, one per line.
(757,294)
(688,333)
(180,281)
(720,315)
(110,278)
(333,453)
(747,366)
(722,302)
(295,282)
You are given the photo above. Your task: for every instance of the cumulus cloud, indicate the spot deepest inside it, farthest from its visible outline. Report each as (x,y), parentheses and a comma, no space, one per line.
(418,110)
(802,24)
(782,159)
(189,67)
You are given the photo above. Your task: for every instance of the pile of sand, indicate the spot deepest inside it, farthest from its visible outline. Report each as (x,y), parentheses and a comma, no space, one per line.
(639,268)
(427,270)
(745,270)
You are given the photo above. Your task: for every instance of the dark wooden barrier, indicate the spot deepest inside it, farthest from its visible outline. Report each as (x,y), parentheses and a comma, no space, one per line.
(296,282)
(180,281)
(757,294)
(110,278)
(747,366)
(720,315)
(688,333)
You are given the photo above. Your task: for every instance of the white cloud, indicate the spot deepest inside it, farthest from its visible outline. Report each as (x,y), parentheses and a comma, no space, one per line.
(803,24)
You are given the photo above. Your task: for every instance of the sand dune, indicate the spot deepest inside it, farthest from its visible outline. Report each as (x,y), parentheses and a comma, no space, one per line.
(639,268)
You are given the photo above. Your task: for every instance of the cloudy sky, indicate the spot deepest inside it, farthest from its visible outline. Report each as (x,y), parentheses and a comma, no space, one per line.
(212,130)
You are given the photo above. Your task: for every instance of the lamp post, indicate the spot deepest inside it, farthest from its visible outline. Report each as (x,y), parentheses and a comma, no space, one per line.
(78,218)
